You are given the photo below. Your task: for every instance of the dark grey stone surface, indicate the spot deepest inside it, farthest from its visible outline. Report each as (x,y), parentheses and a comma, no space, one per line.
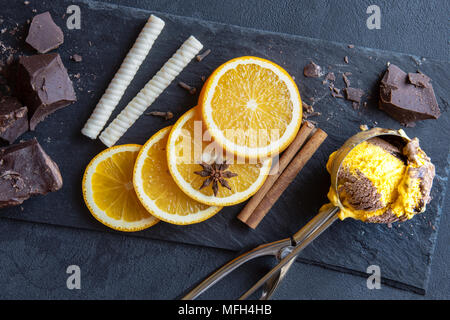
(176,94)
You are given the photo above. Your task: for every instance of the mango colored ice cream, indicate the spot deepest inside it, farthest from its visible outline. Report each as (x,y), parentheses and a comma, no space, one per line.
(379,182)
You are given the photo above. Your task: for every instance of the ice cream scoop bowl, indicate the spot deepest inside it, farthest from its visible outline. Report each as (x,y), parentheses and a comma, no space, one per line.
(354,141)
(286,250)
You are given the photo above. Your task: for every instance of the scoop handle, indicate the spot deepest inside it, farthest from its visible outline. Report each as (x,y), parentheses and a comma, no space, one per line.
(321,218)
(302,238)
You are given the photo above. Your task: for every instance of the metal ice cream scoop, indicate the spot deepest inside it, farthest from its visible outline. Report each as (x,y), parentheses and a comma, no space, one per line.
(287,250)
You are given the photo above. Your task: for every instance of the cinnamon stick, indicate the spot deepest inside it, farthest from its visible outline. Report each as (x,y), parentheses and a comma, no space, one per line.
(285,158)
(286,178)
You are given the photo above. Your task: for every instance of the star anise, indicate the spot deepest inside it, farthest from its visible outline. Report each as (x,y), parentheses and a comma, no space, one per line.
(215,173)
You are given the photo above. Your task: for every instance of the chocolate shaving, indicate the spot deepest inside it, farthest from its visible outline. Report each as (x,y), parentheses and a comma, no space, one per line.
(312,70)
(346,80)
(354,94)
(330,76)
(337,95)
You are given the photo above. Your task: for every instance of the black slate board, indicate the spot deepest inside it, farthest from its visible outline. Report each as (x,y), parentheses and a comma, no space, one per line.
(403,252)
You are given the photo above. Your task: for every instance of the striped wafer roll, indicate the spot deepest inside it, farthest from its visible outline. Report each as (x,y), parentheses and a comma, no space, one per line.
(123,77)
(170,70)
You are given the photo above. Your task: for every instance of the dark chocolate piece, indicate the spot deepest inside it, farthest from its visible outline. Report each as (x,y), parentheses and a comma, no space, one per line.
(407,98)
(13,119)
(346,80)
(312,70)
(330,76)
(44,35)
(43,85)
(354,94)
(26,170)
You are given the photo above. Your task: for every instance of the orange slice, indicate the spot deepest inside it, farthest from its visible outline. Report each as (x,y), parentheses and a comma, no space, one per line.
(188,146)
(157,191)
(109,193)
(251,107)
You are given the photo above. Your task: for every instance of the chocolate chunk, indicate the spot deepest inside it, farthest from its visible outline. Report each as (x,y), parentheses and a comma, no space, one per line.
(337,95)
(43,85)
(354,94)
(26,170)
(13,119)
(44,35)
(346,80)
(407,98)
(330,76)
(312,70)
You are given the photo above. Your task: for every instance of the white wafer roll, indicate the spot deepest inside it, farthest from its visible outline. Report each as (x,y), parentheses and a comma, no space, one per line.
(123,77)
(170,70)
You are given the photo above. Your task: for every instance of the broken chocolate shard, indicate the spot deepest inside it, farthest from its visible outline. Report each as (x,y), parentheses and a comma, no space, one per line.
(13,119)
(407,98)
(345,78)
(354,94)
(26,170)
(337,95)
(330,76)
(312,70)
(44,35)
(43,85)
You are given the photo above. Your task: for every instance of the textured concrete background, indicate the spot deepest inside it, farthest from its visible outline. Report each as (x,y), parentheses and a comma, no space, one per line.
(34,257)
